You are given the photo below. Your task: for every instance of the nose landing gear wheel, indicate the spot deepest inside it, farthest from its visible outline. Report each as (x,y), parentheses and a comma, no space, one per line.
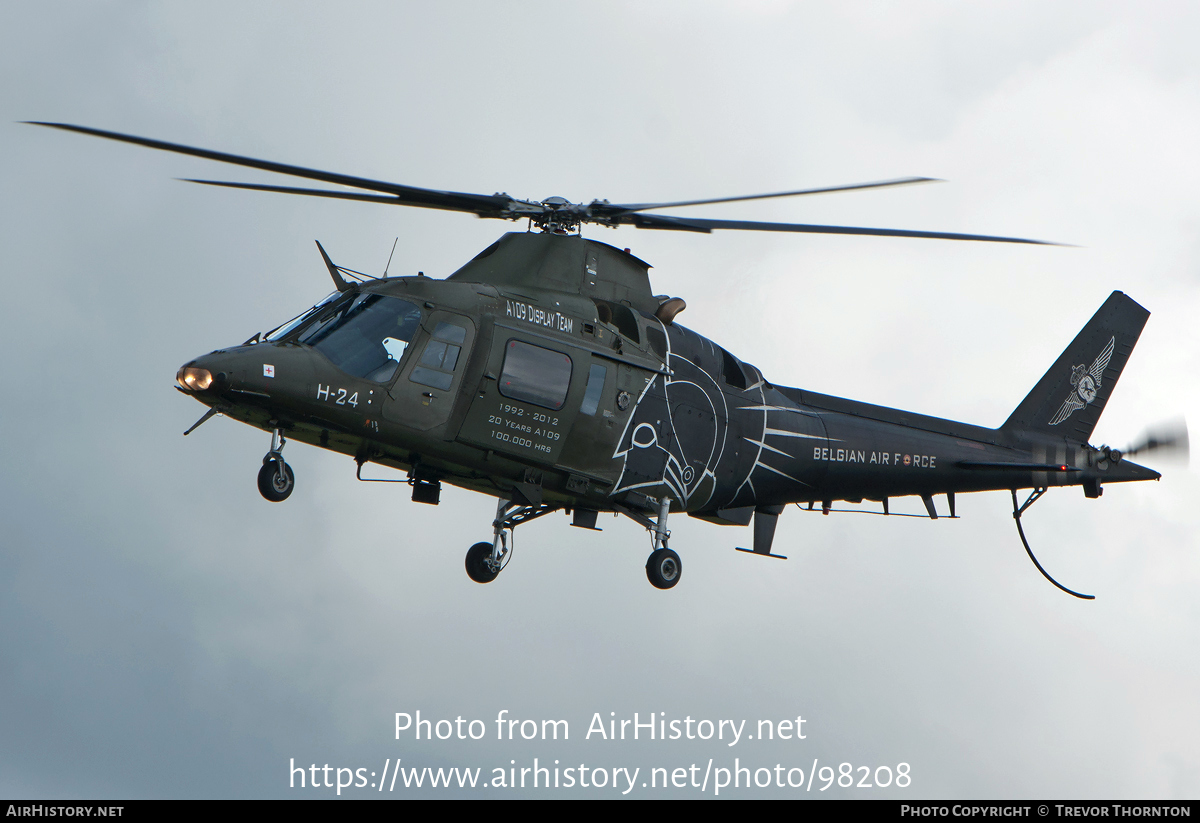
(477,566)
(275,480)
(663,568)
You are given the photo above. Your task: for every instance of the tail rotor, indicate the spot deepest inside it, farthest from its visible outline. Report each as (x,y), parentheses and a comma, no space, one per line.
(1168,439)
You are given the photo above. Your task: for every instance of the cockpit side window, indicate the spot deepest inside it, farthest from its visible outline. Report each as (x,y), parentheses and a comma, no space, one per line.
(366,336)
(436,366)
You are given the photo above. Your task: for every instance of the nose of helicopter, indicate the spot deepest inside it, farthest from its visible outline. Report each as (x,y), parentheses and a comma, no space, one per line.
(210,373)
(246,371)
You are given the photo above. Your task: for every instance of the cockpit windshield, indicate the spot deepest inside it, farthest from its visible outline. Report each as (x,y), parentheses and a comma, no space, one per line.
(364,336)
(291,325)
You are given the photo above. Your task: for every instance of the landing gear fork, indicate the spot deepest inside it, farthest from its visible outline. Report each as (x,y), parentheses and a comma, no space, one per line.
(495,560)
(275,479)
(484,562)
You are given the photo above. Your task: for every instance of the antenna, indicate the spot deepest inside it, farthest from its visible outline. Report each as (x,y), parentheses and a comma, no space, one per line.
(389,262)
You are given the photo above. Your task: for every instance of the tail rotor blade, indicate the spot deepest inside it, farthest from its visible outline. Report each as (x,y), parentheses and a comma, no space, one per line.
(1170,438)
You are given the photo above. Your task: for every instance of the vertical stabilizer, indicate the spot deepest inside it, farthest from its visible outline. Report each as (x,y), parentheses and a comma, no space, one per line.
(1068,400)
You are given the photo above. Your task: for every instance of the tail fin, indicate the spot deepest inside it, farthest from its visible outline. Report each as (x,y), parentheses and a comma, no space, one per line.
(1068,400)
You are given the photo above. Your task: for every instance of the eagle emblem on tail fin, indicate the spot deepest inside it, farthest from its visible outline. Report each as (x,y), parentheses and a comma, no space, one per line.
(1085,384)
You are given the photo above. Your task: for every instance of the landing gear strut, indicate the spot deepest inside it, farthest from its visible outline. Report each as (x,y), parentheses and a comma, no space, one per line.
(486,560)
(275,478)
(663,567)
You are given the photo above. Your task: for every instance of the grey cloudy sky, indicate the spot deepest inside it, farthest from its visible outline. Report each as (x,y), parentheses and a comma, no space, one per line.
(164,632)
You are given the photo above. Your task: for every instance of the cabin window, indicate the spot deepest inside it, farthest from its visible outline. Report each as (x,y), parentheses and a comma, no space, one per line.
(732,368)
(535,375)
(436,366)
(620,316)
(657,341)
(366,336)
(595,388)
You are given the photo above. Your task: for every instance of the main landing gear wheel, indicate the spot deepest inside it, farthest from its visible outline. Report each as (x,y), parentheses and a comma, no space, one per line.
(663,568)
(275,480)
(477,565)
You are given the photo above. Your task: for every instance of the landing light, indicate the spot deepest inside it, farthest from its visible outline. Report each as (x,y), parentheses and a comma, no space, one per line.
(194,379)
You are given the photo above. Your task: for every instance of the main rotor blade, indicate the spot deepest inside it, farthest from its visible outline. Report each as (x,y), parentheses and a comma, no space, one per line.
(504,206)
(903,181)
(481,204)
(663,221)
(339,195)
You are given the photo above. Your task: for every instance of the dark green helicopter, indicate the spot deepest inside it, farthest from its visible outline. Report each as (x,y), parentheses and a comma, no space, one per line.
(546,373)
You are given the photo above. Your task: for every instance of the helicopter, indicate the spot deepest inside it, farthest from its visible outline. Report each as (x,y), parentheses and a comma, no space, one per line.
(546,373)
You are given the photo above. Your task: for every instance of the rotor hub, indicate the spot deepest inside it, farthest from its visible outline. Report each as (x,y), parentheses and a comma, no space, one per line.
(559,216)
